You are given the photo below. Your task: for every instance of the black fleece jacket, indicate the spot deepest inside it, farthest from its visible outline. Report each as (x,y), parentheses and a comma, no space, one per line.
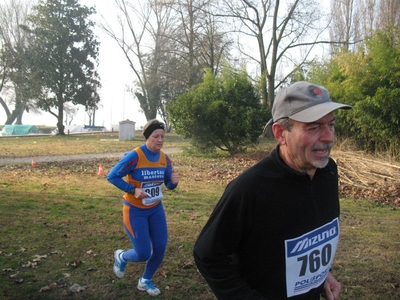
(241,250)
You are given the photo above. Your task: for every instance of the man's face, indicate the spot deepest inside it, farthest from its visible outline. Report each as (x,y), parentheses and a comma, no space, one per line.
(308,145)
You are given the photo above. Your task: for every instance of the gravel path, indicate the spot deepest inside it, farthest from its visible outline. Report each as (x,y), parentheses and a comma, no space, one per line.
(38,159)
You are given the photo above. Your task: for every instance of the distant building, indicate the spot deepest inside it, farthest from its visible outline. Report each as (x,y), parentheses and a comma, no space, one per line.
(126,130)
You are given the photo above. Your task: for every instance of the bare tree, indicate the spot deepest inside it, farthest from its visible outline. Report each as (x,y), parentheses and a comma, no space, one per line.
(354,20)
(161,63)
(203,38)
(215,44)
(167,45)
(368,10)
(285,34)
(143,55)
(14,85)
(193,22)
(344,23)
(389,14)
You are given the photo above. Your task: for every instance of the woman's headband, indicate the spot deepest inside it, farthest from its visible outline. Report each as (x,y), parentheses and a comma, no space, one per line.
(149,130)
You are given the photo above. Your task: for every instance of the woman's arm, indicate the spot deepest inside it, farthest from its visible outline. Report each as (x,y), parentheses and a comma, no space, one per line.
(122,168)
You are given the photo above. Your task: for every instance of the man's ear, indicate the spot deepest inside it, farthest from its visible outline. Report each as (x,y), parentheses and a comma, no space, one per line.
(279,133)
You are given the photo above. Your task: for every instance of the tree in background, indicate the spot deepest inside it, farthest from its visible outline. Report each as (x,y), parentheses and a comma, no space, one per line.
(377,86)
(222,112)
(169,43)
(63,54)
(346,25)
(354,20)
(134,20)
(14,85)
(285,32)
(368,79)
(363,70)
(167,46)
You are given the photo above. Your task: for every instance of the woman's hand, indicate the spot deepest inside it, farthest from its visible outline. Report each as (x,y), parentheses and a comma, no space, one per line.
(140,193)
(174,177)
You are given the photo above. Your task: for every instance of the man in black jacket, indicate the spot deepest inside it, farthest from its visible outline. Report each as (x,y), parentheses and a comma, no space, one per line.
(274,232)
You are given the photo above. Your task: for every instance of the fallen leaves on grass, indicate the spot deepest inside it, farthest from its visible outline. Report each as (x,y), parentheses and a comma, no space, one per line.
(188,264)
(91,252)
(34,263)
(30,264)
(162,272)
(39,257)
(76,263)
(44,289)
(76,288)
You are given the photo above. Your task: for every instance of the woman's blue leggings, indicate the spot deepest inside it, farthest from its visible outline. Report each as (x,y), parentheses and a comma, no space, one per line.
(147,230)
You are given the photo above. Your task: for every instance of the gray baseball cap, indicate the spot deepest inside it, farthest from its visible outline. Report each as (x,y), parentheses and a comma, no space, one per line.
(304,102)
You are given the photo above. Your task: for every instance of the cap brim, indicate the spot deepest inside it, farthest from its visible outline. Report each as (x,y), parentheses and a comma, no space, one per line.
(316,112)
(268,124)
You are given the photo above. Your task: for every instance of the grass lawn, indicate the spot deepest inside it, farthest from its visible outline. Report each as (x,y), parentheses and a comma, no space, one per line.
(60,223)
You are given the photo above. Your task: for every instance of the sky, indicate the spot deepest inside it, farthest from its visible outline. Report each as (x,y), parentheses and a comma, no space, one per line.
(116,104)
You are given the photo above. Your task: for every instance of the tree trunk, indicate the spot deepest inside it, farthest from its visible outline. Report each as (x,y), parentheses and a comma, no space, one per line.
(60,116)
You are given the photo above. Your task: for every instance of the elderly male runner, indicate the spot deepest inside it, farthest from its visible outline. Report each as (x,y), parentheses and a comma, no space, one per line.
(274,232)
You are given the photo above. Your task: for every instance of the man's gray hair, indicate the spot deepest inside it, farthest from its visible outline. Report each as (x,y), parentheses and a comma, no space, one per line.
(286,123)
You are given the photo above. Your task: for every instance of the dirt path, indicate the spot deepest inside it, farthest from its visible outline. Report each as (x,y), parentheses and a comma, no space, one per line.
(28,159)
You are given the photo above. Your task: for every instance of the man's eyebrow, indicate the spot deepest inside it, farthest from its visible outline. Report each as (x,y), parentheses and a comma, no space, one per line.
(318,123)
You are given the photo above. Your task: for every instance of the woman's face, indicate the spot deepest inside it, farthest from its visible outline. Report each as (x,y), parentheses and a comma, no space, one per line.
(155,140)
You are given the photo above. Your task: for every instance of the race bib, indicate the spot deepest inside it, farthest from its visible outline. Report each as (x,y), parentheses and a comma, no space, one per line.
(154,192)
(310,257)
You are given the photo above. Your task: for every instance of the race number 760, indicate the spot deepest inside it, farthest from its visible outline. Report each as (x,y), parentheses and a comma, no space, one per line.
(315,259)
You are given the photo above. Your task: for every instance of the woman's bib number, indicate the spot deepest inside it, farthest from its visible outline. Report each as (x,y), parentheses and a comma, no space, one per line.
(154,192)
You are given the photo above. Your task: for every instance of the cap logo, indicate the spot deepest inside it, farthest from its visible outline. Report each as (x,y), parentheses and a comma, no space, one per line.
(317,91)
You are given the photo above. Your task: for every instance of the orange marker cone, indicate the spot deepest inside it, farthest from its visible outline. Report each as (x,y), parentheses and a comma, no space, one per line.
(101,170)
(33,162)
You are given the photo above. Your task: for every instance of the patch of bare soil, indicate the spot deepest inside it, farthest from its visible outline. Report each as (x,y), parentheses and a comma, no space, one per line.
(73,157)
